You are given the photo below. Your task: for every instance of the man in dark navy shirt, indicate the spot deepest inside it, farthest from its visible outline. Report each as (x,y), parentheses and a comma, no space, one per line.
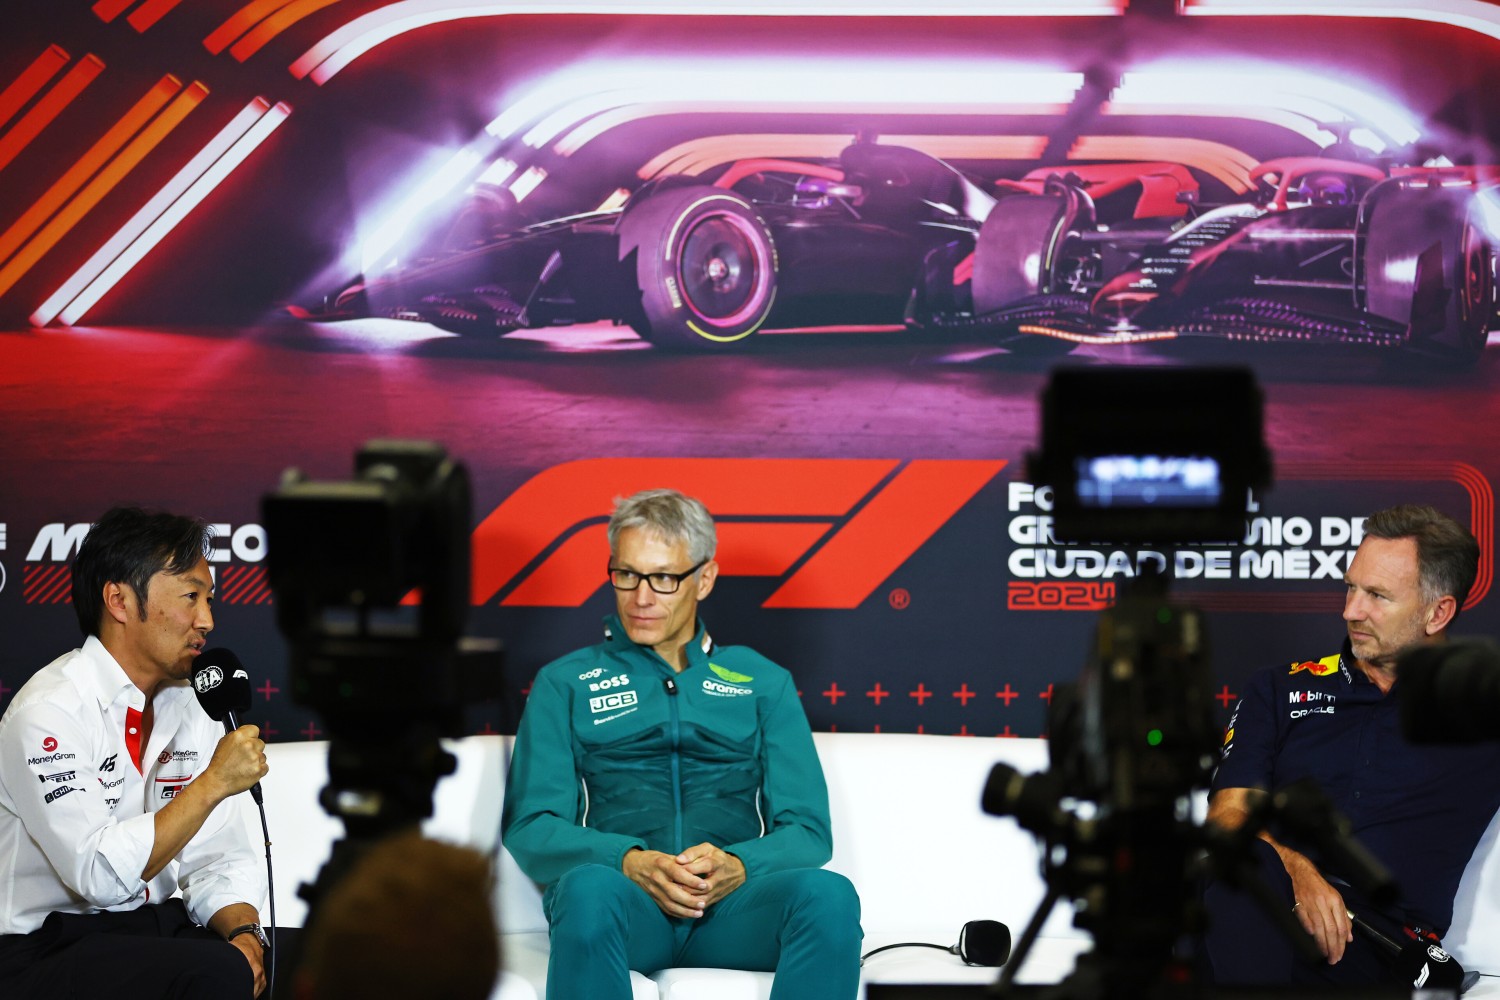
(1419,809)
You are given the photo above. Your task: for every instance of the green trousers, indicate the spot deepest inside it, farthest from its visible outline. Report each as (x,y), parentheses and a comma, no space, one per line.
(802,924)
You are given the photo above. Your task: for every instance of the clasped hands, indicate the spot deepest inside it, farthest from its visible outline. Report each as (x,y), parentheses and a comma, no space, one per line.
(686,884)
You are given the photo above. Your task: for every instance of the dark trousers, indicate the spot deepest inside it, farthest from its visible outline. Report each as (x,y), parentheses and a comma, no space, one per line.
(1244,947)
(154,952)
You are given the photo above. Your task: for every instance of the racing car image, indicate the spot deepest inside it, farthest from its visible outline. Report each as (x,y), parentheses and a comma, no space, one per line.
(1325,250)
(1321,250)
(690,264)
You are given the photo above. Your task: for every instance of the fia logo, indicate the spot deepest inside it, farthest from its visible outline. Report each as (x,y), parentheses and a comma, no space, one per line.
(207,679)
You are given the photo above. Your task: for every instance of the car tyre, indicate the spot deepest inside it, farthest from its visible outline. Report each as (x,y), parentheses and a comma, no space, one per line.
(705,265)
(1426,262)
(1015,248)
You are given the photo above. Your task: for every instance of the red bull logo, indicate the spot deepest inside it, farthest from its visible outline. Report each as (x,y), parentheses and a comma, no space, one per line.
(1318,668)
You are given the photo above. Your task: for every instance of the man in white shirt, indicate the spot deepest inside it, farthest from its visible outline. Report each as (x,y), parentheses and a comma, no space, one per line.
(113,789)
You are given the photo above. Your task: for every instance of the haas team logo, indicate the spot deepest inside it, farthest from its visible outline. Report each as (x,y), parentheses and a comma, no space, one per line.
(207,679)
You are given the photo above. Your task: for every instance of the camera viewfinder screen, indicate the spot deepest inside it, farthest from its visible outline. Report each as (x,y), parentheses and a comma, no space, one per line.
(1145,481)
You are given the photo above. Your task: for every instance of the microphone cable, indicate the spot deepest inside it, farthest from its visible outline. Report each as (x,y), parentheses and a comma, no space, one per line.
(265,831)
(983,943)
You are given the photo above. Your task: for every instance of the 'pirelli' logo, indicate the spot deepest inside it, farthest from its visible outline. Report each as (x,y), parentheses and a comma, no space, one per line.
(834,528)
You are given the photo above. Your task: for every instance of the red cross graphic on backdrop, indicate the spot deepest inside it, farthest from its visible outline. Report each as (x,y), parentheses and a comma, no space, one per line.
(921,693)
(311,731)
(1009,694)
(1225,696)
(833,694)
(878,693)
(1006,733)
(267,731)
(4,690)
(267,690)
(963,731)
(488,729)
(1047,694)
(963,694)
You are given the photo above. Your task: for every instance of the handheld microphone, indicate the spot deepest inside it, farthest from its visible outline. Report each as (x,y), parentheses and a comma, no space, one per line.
(223,690)
(1425,964)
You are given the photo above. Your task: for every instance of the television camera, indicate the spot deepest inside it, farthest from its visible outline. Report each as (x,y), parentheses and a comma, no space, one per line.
(371,584)
(1163,455)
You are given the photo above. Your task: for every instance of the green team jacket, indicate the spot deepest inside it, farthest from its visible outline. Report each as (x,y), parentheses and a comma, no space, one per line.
(615,750)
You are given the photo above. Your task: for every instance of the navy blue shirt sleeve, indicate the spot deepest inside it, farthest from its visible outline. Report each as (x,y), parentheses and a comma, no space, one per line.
(1248,759)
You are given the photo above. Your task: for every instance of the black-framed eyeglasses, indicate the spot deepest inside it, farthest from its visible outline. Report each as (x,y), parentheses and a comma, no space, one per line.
(662,583)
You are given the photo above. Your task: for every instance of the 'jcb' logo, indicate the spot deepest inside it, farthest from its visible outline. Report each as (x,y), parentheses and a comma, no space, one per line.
(610,702)
(846,524)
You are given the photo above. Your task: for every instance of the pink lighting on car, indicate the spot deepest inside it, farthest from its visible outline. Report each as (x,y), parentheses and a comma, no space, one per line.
(455,171)
(1473,15)
(617,199)
(1306,103)
(497,173)
(697,156)
(1487,215)
(578,107)
(352,40)
(527,183)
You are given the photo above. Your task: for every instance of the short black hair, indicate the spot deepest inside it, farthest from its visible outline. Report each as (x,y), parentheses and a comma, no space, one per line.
(1447,554)
(130,545)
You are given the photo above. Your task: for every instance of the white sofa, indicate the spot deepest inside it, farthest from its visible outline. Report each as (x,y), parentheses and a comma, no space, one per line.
(908,831)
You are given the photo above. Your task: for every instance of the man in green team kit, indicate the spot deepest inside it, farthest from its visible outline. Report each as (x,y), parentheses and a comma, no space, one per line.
(666,792)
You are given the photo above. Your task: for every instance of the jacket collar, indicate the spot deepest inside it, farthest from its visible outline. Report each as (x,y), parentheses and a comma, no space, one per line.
(697,651)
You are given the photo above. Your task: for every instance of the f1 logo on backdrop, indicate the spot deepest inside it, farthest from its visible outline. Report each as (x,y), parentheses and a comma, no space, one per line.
(839,526)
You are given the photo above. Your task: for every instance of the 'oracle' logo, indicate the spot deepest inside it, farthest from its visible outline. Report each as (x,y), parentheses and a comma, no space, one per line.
(844,524)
